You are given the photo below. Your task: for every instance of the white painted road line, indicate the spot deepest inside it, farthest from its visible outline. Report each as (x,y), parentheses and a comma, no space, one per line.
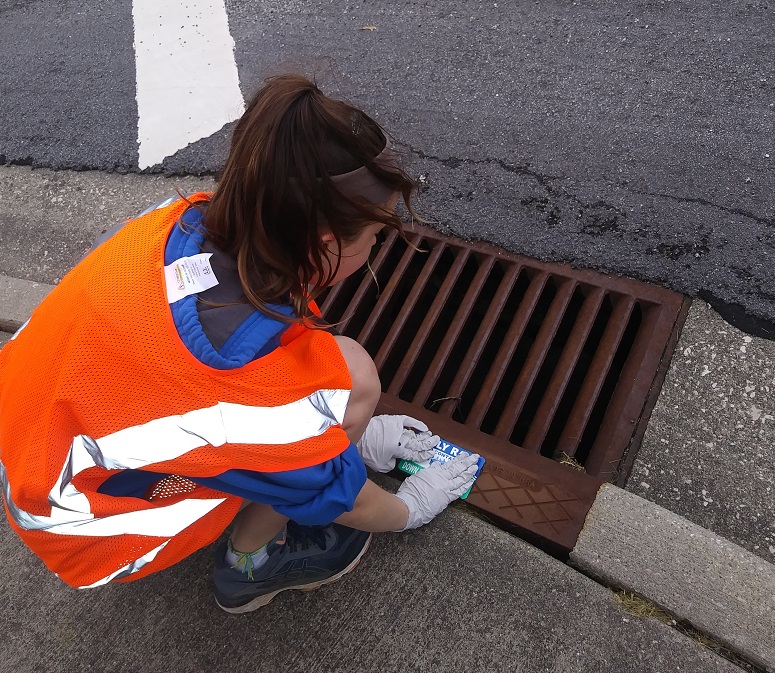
(187,81)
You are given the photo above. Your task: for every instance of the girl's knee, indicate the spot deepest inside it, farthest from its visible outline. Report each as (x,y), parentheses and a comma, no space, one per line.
(363,371)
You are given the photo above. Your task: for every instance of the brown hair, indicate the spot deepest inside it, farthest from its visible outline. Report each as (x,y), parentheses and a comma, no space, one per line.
(275,195)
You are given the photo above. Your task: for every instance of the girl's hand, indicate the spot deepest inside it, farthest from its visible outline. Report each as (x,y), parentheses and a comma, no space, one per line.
(428,492)
(388,438)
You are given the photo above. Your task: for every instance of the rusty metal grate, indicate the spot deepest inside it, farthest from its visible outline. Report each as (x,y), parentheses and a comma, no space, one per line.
(522,361)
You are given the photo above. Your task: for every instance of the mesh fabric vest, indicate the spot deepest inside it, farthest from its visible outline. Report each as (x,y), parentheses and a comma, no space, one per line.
(100,381)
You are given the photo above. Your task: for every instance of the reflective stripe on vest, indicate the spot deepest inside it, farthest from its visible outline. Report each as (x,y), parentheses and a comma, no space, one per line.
(128,569)
(170,437)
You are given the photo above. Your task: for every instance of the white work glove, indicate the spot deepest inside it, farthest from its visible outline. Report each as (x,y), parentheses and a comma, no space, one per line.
(387,438)
(428,492)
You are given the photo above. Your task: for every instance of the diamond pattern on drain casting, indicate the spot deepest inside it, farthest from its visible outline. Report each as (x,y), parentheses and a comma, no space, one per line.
(545,507)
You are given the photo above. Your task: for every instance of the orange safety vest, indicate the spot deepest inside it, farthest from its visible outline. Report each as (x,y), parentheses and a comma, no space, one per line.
(100,381)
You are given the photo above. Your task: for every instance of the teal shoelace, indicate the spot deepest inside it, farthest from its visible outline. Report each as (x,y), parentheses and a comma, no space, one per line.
(244,560)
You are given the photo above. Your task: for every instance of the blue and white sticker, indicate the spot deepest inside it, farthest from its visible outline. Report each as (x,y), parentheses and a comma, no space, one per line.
(443,452)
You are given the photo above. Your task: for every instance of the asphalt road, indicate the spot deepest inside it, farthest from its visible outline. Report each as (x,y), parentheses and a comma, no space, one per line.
(634,138)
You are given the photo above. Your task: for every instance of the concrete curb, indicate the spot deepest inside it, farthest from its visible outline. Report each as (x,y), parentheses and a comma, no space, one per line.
(18,298)
(719,588)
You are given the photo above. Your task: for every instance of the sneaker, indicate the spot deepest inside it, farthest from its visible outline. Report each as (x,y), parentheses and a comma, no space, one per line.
(301,557)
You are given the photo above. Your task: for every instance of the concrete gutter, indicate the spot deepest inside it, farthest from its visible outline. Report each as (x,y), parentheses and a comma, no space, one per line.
(702,579)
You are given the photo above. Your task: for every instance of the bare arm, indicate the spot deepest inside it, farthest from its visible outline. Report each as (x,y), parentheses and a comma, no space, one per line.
(376,511)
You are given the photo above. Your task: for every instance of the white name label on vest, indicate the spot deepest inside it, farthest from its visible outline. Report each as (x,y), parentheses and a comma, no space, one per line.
(189,275)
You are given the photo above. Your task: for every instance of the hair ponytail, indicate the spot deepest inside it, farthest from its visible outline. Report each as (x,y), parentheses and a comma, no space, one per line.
(299,162)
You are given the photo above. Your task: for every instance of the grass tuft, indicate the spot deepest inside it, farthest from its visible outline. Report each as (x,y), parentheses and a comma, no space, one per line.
(564,459)
(638,606)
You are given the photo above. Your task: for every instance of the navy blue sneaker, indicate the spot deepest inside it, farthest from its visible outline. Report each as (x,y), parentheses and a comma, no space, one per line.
(306,557)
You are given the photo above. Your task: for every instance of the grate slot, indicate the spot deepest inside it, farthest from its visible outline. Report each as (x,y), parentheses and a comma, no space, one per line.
(368,284)
(402,339)
(611,379)
(620,416)
(577,378)
(482,403)
(537,386)
(483,334)
(495,343)
(421,337)
(594,430)
(456,325)
(590,389)
(551,396)
(339,296)
(408,303)
(535,359)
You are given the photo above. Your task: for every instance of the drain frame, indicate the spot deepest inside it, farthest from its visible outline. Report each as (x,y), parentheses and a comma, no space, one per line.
(531,485)
(524,490)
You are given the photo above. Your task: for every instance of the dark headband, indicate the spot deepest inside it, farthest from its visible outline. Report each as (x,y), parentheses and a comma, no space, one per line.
(363,183)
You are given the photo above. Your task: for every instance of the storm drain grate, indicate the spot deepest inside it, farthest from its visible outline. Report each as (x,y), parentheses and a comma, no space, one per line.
(526,363)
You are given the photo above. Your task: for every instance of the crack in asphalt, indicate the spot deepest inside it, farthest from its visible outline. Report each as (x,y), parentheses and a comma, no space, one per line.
(543,179)
(737,211)
(456,162)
